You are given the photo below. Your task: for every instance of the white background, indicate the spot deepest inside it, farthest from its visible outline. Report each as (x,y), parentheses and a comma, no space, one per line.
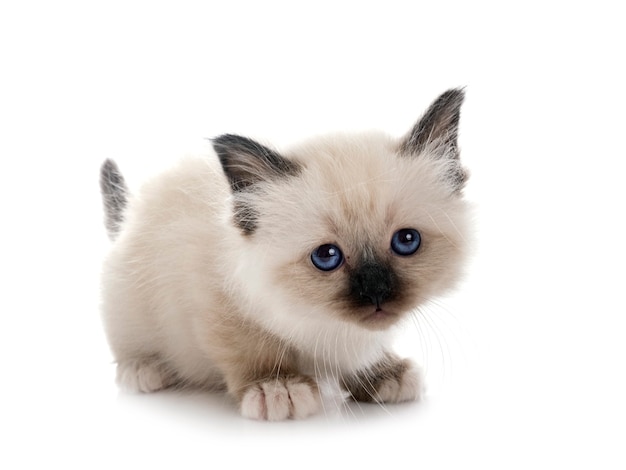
(525,364)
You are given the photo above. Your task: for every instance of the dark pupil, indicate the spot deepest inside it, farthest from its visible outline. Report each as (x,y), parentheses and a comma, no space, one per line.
(325,252)
(406,237)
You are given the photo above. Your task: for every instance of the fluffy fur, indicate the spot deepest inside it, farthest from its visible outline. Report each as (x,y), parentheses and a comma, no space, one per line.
(210,280)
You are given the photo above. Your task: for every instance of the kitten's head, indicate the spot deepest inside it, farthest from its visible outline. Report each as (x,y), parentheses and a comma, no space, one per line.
(361,228)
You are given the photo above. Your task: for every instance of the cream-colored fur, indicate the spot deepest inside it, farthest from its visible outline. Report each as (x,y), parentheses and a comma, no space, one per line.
(189,299)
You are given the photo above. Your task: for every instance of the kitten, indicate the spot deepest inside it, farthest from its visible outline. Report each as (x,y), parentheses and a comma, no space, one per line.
(270,273)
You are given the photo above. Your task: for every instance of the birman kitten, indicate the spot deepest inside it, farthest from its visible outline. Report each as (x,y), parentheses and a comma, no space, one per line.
(269,273)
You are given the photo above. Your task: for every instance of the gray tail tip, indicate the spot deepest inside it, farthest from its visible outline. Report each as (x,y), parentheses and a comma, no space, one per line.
(114,196)
(109,168)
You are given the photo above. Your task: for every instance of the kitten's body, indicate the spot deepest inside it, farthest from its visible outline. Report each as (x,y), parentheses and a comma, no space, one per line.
(211,281)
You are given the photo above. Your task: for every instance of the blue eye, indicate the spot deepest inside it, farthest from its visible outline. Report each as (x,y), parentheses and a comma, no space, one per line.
(327,257)
(406,241)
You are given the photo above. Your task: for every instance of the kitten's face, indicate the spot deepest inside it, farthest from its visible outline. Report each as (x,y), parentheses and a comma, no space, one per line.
(359,228)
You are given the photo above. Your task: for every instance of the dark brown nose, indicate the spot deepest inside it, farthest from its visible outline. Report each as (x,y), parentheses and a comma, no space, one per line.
(374,298)
(372,283)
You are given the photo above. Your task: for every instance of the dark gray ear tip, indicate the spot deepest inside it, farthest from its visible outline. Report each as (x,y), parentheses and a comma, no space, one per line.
(453,97)
(460,90)
(227,139)
(230,147)
(222,143)
(246,162)
(227,145)
(438,126)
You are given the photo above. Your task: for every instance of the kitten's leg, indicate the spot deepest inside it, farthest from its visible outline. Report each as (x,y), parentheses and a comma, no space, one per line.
(391,380)
(142,375)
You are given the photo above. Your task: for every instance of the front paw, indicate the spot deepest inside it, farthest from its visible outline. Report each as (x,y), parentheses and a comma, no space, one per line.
(407,386)
(392,380)
(280,398)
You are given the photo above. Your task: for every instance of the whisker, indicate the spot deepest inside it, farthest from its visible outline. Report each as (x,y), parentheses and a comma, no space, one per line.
(317,371)
(439,323)
(453,224)
(441,231)
(423,340)
(440,341)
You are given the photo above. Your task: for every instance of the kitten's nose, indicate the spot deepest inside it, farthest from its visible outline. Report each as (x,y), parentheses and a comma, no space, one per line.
(375,298)
(372,283)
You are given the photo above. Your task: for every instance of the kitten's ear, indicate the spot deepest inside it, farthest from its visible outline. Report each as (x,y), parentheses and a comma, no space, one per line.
(437,130)
(247,162)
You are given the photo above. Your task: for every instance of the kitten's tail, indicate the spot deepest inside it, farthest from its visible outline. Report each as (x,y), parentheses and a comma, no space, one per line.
(114,192)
